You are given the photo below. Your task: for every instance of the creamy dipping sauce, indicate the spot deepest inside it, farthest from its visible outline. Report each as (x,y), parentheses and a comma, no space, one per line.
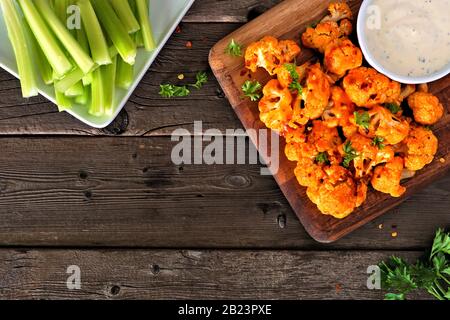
(410,38)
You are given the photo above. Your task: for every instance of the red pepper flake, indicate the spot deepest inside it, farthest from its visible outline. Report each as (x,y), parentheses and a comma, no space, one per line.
(243,72)
(338,288)
(178,29)
(189,44)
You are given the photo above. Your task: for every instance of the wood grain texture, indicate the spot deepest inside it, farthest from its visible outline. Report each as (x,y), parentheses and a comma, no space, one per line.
(188,274)
(287,21)
(69,191)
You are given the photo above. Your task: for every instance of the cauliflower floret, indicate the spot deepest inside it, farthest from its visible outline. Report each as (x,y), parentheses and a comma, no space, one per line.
(342,56)
(320,37)
(324,138)
(269,53)
(339,110)
(285,77)
(338,11)
(275,106)
(309,173)
(336,194)
(380,122)
(295,144)
(366,87)
(365,154)
(426,108)
(421,147)
(315,96)
(386,178)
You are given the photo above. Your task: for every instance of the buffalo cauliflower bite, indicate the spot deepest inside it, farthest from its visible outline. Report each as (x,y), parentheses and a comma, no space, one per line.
(338,11)
(275,106)
(342,56)
(320,37)
(386,178)
(420,148)
(324,138)
(336,194)
(339,110)
(295,144)
(366,87)
(269,53)
(383,124)
(308,172)
(313,100)
(285,77)
(426,108)
(365,154)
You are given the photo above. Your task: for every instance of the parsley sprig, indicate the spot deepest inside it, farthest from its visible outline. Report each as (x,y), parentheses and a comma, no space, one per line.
(322,158)
(170,90)
(234,49)
(252,90)
(350,154)
(295,85)
(393,107)
(432,274)
(378,141)
(362,119)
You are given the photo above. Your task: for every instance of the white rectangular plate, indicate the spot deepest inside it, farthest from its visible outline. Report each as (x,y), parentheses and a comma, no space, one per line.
(165,15)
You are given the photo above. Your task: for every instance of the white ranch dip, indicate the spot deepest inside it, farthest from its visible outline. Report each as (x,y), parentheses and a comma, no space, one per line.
(412,37)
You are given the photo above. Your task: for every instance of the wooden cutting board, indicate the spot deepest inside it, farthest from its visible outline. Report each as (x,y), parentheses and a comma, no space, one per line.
(289,20)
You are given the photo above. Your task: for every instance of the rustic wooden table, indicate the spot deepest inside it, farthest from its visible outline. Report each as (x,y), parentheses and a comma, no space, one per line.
(111,201)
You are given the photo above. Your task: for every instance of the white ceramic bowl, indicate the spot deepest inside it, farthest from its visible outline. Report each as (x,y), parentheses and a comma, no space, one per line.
(165,15)
(362,18)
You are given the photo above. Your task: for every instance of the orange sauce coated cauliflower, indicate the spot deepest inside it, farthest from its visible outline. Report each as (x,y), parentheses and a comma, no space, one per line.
(421,147)
(342,56)
(269,53)
(320,37)
(426,108)
(366,87)
(386,178)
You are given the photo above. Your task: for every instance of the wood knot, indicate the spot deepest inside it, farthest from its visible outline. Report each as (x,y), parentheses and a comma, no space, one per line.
(155,269)
(239,181)
(114,291)
(119,124)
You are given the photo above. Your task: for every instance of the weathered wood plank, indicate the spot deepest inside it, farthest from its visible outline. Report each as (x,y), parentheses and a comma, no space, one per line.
(69,191)
(146,113)
(187,274)
(228,10)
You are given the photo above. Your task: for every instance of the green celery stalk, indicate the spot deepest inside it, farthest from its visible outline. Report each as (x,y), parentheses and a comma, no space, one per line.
(82,59)
(125,74)
(48,43)
(63,84)
(97,42)
(115,30)
(87,79)
(22,50)
(144,20)
(126,15)
(109,77)
(97,107)
(138,39)
(76,90)
(84,98)
(63,102)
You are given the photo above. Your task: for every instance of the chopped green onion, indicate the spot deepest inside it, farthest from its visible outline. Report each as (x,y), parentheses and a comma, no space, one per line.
(126,15)
(115,30)
(83,60)
(97,41)
(125,74)
(144,20)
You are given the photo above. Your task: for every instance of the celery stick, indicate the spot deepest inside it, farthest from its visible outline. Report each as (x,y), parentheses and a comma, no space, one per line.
(87,79)
(62,85)
(83,60)
(109,77)
(49,45)
(144,20)
(44,66)
(97,99)
(125,74)
(97,42)
(22,50)
(84,98)
(76,90)
(137,36)
(63,102)
(126,15)
(115,30)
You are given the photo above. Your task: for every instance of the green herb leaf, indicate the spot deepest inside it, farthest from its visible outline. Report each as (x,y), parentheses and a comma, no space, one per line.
(322,158)
(362,119)
(234,49)
(295,85)
(378,141)
(350,154)
(441,243)
(170,90)
(393,107)
(252,90)
(201,78)
(394,296)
